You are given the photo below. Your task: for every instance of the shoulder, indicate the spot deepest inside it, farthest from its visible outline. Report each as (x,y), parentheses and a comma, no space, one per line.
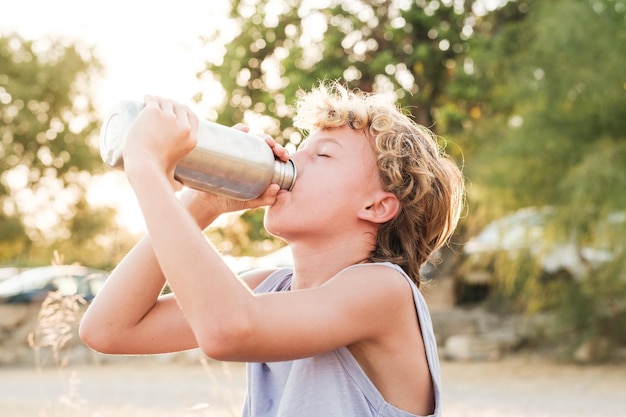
(376,276)
(375,290)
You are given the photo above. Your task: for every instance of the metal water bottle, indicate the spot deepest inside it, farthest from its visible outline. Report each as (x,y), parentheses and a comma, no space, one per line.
(225,161)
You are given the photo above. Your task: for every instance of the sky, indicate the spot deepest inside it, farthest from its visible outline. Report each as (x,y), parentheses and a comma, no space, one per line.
(145,47)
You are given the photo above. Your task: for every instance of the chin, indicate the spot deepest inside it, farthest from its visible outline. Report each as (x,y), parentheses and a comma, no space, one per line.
(280,219)
(273,228)
(277,227)
(270,221)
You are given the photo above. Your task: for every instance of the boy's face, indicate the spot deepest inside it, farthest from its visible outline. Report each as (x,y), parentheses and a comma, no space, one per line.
(337,174)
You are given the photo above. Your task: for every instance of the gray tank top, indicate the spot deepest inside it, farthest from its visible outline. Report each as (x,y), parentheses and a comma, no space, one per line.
(333,383)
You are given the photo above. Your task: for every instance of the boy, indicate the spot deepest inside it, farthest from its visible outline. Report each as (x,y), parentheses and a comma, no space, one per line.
(346,332)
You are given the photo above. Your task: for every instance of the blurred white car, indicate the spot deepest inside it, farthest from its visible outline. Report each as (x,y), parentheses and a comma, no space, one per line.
(34,284)
(524,231)
(9,271)
(283,258)
(280,258)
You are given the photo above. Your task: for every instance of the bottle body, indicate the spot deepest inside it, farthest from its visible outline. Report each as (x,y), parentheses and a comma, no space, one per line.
(225,161)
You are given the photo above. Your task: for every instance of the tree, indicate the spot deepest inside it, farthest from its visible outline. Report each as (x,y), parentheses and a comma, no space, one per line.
(273,49)
(48,124)
(545,108)
(549,94)
(408,49)
(546,124)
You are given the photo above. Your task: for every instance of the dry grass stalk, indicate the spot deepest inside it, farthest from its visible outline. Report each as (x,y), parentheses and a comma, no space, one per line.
(55,326)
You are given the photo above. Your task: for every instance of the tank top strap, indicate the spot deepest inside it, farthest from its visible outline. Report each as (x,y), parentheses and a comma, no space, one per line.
(277,281)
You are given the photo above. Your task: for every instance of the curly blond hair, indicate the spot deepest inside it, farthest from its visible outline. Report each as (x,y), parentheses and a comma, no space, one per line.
(411,164)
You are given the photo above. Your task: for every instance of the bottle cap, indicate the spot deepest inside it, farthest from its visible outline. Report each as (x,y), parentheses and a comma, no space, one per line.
(114,130)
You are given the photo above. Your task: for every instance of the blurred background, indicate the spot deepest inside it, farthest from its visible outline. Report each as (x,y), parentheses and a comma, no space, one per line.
(528,96)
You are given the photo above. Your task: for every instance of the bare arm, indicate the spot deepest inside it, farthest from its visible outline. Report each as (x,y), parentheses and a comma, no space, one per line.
(129,316)
(213,308)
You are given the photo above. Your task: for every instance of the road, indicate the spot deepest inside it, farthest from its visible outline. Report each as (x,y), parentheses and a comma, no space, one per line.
(513,387)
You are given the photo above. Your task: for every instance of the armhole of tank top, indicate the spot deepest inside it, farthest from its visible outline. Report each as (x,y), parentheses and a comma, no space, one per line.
(428,337)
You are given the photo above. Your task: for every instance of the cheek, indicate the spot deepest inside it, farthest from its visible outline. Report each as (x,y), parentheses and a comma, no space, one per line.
(319,191)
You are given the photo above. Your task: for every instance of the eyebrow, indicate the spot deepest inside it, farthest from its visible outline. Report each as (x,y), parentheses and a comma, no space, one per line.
(321,141)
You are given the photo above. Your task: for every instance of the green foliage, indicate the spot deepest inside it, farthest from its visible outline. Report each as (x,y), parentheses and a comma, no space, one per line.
(593,311)
(244,236)
(13,241)
(552,92)
(46,111)
(522,291)
(47,152)
(546,125)
(407,49)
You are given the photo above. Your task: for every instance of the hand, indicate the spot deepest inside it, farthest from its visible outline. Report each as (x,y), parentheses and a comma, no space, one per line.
(205,207)
(163,133)
(279,150)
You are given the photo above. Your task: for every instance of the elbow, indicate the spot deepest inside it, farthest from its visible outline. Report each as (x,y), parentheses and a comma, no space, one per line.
(89,335)
(95,337)
(226,341)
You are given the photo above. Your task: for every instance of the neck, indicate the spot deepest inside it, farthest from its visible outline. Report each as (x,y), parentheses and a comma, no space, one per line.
(314,266)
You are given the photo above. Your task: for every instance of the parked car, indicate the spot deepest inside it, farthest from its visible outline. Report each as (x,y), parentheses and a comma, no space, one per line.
(9,271)
(280,258)
(525,231)
(35,283)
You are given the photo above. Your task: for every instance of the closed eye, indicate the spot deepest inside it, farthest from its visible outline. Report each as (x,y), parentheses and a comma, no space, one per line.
(323,155)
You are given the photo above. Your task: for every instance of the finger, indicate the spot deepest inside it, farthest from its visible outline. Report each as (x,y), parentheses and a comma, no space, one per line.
(193,120)
(151,101)
(189,122)
(268,139)
(279,150)
(177,185)
(167,106)
(268,197)
(183,115)
(242,127)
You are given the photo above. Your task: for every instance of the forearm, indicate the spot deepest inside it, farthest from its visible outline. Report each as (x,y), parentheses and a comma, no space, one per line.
(206,290)
(205,287)
(129,293)
(128,316)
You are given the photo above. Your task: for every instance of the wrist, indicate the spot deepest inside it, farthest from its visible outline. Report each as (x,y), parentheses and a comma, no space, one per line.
(141,171)
(200,208)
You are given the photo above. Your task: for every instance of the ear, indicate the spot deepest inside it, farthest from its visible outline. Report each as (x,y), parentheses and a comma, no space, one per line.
(384,207)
